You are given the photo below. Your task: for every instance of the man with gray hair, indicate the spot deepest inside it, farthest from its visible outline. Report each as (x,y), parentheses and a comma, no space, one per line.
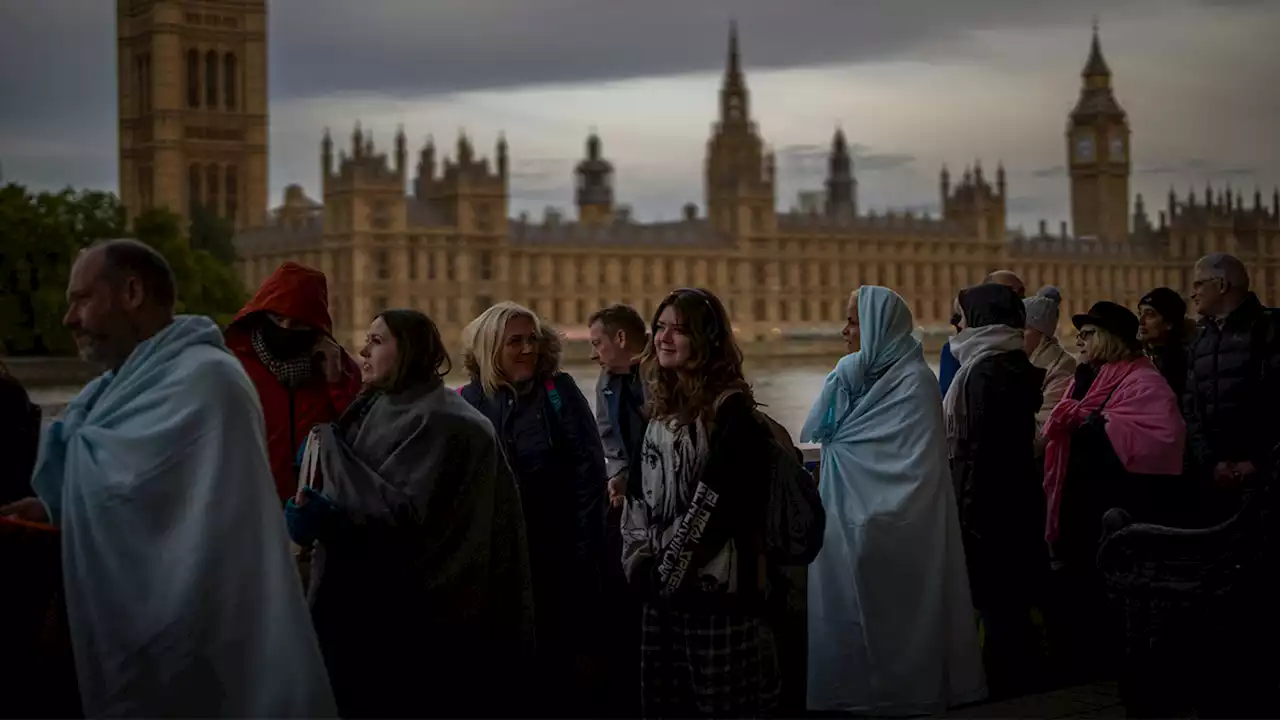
(181,596)
(1232,399)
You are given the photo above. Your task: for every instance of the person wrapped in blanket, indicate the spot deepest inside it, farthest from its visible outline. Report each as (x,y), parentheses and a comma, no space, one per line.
(692,522)
(181,597)
(420,580)
(1116,439)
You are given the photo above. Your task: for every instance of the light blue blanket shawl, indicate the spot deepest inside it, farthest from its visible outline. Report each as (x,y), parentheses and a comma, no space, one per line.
(891,627)
(182,597)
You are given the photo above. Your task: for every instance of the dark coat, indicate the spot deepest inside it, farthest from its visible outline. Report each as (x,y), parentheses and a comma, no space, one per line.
(558,462)
(1232,398)
(998,481)
(19,439)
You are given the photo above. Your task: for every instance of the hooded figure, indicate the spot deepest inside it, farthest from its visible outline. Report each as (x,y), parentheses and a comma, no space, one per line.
(990,413)
(891,628)
(1046,353)
(283,337)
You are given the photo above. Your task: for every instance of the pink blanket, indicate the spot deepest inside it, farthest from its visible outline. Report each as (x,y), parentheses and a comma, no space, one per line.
(1144,426)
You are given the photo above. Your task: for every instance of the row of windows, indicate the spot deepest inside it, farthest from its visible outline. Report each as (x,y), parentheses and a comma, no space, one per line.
(423,265)
(214,66)
(213,188)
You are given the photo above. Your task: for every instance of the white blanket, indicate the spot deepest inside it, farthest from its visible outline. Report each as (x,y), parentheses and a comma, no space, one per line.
(182,598)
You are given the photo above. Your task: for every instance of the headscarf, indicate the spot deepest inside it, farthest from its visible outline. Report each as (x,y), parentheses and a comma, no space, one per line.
(994,318)
(885,326)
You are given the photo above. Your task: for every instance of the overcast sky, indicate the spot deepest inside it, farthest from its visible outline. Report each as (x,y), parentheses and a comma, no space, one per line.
(914,84)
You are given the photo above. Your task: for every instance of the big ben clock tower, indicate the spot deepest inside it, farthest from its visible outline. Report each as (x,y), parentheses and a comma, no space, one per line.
(1098,155)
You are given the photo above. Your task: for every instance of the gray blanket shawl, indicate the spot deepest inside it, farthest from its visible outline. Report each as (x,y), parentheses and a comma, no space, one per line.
(433,552)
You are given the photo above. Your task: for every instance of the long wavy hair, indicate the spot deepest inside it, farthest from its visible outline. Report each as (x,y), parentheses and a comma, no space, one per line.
(482,346)
(715,361)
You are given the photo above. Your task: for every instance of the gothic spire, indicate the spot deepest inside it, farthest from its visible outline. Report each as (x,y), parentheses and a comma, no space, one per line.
(733,67)
(733,91)
(1096,65)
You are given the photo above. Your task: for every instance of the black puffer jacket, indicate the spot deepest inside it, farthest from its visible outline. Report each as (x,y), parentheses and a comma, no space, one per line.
(1232,399)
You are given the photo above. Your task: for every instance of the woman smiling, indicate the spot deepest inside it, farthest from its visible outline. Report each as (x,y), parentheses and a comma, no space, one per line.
(549,434)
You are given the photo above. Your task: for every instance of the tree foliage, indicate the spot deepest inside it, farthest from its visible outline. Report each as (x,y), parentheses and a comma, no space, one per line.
(41,234)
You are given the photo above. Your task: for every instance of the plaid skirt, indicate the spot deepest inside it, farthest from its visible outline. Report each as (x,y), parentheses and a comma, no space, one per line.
(711,665)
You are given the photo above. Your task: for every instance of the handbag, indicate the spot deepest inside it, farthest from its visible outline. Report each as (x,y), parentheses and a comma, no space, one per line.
(308,469)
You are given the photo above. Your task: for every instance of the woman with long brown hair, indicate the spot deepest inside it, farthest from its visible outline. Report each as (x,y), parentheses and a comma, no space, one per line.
(419,587)
(693,521)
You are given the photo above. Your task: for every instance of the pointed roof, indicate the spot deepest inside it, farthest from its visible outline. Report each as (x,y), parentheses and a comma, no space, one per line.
(1096,65)
(838,142)
(733,65)
(1097,99)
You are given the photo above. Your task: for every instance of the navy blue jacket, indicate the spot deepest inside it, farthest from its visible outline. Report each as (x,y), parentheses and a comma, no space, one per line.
(947,367)
(558,460)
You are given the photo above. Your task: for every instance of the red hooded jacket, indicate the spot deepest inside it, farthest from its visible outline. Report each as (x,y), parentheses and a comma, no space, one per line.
(299,293)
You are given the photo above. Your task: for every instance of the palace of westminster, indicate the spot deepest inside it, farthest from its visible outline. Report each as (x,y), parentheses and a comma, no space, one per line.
(193,133)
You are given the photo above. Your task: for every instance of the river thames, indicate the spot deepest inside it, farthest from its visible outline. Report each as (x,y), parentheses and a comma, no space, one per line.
(786,388)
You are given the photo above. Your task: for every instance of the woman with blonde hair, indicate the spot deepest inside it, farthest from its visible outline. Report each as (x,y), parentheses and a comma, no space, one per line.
(1116,439)
(548,431)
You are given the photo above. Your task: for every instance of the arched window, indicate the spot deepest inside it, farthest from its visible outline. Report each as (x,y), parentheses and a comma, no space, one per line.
(211,183)
(229,78)
(233,190)
(193,190)
(193,78)
(211,79)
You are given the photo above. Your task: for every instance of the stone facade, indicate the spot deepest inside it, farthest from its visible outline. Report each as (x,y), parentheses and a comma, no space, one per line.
(192,91)
(443,241)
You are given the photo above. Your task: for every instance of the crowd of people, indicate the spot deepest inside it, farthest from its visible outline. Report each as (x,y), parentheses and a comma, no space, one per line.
(255,523)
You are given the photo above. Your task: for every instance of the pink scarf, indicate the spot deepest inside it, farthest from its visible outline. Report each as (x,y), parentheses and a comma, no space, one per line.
(1144,426)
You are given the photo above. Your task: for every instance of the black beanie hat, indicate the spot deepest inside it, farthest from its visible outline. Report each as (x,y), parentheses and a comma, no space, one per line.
(1167,302)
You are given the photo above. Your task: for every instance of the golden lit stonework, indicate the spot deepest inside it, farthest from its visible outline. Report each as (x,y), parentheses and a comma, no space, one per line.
(449,247)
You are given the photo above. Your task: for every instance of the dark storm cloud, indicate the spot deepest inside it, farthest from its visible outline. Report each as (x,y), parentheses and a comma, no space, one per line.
(416,46)
(804,159)
(57,56)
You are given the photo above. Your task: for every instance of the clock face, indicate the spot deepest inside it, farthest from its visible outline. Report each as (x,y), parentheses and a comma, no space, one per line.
(1117,148)
(1084,148)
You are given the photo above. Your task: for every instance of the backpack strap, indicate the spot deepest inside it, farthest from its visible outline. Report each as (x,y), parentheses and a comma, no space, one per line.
(554,396)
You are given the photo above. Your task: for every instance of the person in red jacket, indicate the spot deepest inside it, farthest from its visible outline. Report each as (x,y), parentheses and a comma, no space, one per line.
(303,376)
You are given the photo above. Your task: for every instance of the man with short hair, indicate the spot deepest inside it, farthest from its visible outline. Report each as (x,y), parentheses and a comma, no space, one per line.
(1232,398)
(1010,279)
(618,337)
(182,599)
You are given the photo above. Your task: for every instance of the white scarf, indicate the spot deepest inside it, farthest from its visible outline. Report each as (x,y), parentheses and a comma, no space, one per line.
(970,347)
